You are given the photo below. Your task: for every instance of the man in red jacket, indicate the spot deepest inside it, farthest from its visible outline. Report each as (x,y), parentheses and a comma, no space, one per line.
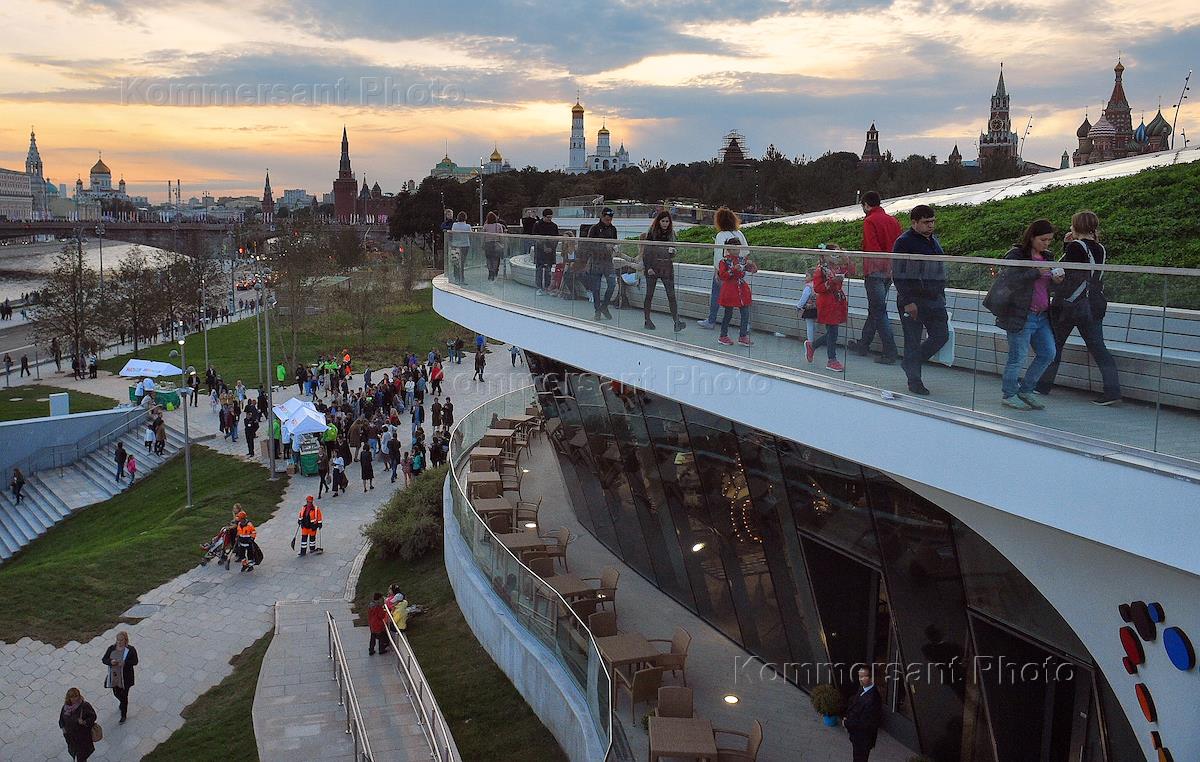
(880,231)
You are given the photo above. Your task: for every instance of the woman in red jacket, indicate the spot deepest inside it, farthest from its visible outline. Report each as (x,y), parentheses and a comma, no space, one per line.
(828,282)
(735,292)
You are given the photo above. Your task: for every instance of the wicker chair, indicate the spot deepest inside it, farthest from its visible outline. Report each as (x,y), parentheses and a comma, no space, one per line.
(527,512)
(500,523)
(674,701)
(562,538)
(543,567)
(511,483)
(642,687)
(603,624)
(675,659)
(606,591)
(748,752)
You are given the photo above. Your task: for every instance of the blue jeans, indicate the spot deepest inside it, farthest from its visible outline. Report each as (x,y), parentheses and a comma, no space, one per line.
(743,319)
(712,301)
(1038,334)
(829,339)
(877,286)
(610,281)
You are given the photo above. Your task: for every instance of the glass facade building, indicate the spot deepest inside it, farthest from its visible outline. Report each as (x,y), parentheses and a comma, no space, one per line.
(816,565)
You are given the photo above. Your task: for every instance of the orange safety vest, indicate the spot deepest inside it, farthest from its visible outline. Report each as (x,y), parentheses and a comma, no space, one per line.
(246,533)
(314,518)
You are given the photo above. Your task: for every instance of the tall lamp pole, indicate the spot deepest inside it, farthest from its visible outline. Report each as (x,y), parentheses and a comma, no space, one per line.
(1178,105)
(184,389)
(270,375)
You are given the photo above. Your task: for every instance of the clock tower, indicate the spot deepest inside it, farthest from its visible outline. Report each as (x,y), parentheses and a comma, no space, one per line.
(998,145)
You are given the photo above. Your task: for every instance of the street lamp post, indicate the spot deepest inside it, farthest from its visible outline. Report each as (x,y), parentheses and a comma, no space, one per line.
(100,235)
(204,318)
(270,378)
(184,389)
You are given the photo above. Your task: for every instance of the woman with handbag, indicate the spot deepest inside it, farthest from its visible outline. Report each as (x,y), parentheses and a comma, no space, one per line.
(1080,304)
(120,658)
(659,264)
(77,719)
(493,249)
(1020,300)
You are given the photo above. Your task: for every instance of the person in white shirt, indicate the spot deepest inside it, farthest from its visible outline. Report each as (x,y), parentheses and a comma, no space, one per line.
(460,243)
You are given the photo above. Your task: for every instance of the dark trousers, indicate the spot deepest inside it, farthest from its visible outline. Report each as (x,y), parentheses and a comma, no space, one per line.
(610,280)
(324,483)
(120,471)
(877,287)
(861,751)
(250,446)
(931,320)
(381,639)
(122,695)
(1092,333)
(668,282)
(541,277)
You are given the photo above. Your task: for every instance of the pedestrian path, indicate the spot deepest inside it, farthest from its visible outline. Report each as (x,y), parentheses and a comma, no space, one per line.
(53,494)
(190,627)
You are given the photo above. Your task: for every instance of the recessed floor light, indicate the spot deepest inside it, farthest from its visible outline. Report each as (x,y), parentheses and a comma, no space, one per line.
(698,547)
(729,698)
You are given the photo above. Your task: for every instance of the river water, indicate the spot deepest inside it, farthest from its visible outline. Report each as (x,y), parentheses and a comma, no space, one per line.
(23,268)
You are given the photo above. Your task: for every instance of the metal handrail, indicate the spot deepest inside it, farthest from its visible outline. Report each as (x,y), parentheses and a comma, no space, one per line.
(456,462)
(346,695)
(420,695)
(30,463)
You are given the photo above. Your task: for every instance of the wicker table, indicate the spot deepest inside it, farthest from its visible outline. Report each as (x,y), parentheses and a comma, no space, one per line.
(626,648)
(681,737)
(484,458)
(483,484)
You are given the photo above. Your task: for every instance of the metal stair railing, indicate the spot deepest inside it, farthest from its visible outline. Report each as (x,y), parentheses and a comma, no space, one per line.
(346,695)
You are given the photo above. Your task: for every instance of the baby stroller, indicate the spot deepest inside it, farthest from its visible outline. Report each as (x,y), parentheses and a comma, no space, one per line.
(220,547)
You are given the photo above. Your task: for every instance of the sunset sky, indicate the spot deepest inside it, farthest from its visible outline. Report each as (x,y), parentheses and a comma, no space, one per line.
(215,93)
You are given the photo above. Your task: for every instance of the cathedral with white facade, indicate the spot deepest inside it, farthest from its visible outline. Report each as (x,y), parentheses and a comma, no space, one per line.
(603,160)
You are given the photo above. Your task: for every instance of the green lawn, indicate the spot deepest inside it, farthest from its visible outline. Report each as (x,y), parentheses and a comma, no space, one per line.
(21,402)
(217,726)
(232,348)
(76,580)
(489,719)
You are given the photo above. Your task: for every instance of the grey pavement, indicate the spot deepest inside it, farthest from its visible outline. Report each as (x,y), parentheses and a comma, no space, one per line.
(716,666)
(206,615)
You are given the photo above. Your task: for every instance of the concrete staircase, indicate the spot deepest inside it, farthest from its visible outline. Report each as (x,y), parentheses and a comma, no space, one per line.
(52,495)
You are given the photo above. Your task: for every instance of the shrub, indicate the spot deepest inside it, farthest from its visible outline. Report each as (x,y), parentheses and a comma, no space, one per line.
(409,524)
(827,699)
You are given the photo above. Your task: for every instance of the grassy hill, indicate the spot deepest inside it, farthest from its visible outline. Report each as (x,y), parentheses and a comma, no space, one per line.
(1146,219)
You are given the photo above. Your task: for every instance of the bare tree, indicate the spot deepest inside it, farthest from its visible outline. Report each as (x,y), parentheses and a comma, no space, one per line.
(368,296)
(299,255)
(70,308)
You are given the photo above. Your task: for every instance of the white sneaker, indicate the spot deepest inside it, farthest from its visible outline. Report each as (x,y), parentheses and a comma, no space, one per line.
(539,292)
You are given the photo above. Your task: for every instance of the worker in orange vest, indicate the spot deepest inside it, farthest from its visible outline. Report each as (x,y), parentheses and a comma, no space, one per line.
(310,520)
(246,535)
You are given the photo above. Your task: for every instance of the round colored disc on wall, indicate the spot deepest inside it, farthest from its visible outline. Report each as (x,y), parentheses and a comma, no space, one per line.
(1140,615)
(1179,648)
(1123,610)
(1129,666)
(1132,646)
(1146,702)
(1157,614)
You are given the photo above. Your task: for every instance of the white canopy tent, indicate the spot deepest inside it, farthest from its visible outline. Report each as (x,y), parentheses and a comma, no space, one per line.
(149,369)
(286,410)
(305,421)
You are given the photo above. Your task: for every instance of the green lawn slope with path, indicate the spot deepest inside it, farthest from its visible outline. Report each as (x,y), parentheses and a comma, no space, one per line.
(1145,219)
(218,726)
(232,348)
(75,581)
(32,401)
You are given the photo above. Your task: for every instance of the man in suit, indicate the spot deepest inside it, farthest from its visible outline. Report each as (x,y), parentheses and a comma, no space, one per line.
(863,716)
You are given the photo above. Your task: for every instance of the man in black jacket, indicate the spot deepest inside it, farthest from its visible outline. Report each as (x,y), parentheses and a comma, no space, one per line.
(543,251)
(600,264)
(863,715)
(920,296)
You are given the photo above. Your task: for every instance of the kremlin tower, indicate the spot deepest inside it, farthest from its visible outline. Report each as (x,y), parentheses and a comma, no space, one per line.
(268,201)
(345,189)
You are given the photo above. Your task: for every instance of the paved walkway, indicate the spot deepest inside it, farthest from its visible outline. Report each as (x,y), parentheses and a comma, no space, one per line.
(195,623)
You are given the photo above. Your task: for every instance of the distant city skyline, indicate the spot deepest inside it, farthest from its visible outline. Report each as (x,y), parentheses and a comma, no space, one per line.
(215,99)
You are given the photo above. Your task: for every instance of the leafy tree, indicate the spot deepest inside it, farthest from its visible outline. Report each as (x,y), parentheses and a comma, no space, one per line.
(347,248)
(136,299)
(70,309)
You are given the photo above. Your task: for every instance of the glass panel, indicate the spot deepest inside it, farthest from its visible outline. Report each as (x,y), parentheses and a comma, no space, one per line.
(925,590)
(829,499)
(1149,327)
(845,593)
(995,587)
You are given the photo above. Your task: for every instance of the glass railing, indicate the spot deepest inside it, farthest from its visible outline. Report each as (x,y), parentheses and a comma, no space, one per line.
(543,613)
(1151,326)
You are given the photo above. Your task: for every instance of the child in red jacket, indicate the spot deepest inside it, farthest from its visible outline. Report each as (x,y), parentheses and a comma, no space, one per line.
(735,292)
(832,309)
(376,618)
